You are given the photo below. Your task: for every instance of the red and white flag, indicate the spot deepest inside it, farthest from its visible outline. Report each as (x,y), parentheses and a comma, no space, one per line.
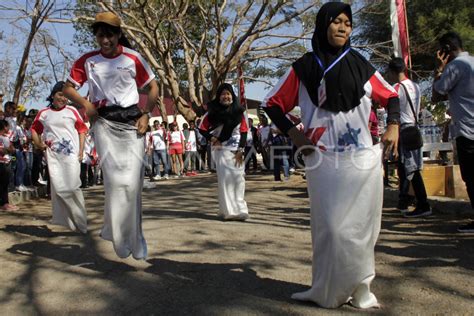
(243,100)
(399,29)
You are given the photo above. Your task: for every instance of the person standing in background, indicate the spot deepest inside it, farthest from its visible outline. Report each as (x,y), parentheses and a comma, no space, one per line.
(176,149)
(250,148)
(454,80)
(410,162)
(6,150)
(159,140)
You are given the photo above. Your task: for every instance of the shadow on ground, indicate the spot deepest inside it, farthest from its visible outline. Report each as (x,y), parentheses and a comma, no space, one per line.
(186,282)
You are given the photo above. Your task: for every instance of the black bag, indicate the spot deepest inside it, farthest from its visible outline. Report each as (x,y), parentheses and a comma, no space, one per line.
(410,136)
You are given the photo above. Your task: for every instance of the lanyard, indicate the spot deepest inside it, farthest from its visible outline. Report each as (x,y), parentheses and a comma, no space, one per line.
(333,63)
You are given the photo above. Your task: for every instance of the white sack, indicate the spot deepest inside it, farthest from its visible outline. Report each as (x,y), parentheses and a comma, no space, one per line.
(231,183)
(121,149)
(346,196)
(66,196)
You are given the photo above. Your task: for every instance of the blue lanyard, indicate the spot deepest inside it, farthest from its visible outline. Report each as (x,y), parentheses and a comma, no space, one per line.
(333,63)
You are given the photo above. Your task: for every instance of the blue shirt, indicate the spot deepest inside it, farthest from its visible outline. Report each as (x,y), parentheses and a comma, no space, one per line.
(457,81)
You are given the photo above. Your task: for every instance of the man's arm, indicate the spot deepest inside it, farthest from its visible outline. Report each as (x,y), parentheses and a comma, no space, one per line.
(435,96)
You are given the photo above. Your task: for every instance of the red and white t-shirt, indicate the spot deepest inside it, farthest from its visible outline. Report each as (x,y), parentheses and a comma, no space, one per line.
(159,139)
(175,139)
(112,81)
(340,131)
(12,134)
(191,143)
(4,146)
(60,129)
(233,142)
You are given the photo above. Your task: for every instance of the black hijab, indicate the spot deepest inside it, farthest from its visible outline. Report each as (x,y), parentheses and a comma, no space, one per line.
(345,81)
(230,116)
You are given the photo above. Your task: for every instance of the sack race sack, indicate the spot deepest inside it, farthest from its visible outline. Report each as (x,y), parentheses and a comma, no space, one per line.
(411,136)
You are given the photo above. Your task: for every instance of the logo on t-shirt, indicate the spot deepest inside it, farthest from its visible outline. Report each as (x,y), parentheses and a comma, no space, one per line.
(124,69)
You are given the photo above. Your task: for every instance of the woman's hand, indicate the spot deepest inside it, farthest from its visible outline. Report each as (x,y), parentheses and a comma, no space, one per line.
(390,141)
(80,156)
(91,111)
(42,146)
(142,124)
(239,158)
(301,141)
(215,142)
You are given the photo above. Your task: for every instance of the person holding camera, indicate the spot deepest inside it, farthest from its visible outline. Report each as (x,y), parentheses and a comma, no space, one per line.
(454,80)
(410,161)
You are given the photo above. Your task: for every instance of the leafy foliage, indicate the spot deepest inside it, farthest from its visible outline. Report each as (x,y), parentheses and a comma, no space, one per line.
(427,20)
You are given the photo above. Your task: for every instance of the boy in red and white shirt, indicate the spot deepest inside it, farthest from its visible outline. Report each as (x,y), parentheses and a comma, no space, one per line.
(159,141)
(6,149)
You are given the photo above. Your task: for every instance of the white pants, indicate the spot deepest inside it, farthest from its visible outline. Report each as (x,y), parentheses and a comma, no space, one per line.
(66,196)
(121,150)
(346,196)
(231,183)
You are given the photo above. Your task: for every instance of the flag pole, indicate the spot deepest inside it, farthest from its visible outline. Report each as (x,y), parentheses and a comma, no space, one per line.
(241,87)
(408,38)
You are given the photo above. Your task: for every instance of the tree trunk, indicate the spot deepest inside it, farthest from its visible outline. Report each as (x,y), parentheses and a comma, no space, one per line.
(184,110)
(159,102)
(40,12)
(20,78)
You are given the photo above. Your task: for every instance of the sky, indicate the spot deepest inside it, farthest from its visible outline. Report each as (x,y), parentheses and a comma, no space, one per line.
(12,45)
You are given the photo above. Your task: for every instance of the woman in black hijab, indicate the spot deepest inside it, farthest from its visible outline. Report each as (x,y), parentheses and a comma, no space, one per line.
(334,86)
(225,127)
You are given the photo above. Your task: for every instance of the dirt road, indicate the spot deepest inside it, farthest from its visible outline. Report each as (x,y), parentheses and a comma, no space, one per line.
(199,265)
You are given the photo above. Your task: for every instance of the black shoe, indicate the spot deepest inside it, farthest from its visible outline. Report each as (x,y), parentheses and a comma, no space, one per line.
(467,228)
(419,212)
(402,206)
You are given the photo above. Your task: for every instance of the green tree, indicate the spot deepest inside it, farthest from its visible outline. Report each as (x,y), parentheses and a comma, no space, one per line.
(427,20)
